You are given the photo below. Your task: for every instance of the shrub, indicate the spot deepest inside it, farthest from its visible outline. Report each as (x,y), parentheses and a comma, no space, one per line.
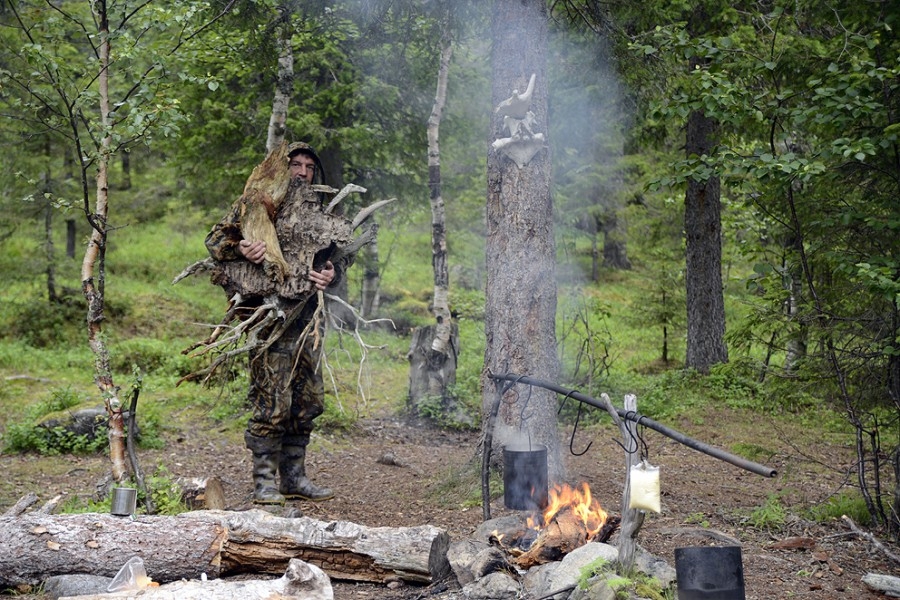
(46,325)
(151,356)
(40,432)
(851,504)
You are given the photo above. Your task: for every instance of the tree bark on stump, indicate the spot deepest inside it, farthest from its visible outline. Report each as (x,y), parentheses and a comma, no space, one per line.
(34,546)
(431,372)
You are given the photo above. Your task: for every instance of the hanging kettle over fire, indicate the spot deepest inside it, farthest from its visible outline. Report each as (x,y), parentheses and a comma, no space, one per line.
(525,485)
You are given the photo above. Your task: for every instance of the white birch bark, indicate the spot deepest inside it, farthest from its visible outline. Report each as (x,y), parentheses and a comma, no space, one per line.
(284,85)
(93,290)
(441,303)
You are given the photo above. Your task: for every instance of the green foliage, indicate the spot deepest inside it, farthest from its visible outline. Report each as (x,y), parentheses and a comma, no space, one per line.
(31,435)
(585,340)
(336,416)
(229,403)
(166,493)
(24,437)
(591,570)
(44,324)
(753,452)
(462,486)
(620,586)
(851,504)
(73,505)
(697,519)
(467,389)
(151,356)
(676,393)
(731,387)
(653,591)
(772,515)
(672,394)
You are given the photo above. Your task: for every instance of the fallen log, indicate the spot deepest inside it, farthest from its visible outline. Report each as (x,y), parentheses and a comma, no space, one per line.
(34,546)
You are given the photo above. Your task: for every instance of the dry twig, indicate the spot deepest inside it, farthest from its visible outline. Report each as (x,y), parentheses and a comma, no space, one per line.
(870,538)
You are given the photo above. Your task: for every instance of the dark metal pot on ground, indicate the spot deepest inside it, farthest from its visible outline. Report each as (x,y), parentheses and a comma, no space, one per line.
(709,573)
(525,477)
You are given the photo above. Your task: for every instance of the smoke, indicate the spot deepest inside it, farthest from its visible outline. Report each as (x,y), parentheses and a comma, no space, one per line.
(588,124)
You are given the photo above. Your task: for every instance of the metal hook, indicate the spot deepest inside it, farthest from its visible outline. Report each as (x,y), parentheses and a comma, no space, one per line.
(634,439)
(645,449)
(510,385)
(564,400)
(572,438)
(522,417)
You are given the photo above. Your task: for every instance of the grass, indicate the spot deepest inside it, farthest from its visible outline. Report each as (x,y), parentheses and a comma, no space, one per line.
(149,321)
(605,345)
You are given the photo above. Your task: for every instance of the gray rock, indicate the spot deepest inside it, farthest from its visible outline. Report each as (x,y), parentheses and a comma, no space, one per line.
(887,584)
(598,589)
(471,560)
(563,575)
(496,586)
(461,556)
(507,524)
(654,566)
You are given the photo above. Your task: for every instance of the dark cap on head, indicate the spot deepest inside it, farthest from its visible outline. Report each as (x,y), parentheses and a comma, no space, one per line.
(295,148)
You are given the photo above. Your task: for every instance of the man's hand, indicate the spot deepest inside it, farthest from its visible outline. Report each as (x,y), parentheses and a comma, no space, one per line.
(255,252)
(322,279)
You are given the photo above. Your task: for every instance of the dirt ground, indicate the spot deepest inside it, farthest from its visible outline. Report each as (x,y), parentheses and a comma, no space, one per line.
(704,501)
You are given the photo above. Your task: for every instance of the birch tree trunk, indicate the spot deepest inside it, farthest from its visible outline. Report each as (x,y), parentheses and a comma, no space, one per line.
(441,308)
(435,349)
(520,306)
(95,255)
(284,84)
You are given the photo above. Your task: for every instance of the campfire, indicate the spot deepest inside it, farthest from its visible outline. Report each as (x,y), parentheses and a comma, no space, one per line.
(572,518)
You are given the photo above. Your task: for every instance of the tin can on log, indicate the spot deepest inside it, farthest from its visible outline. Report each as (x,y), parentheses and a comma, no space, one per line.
(124,501)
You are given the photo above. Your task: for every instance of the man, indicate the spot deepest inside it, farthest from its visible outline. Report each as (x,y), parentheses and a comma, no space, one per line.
(286,388)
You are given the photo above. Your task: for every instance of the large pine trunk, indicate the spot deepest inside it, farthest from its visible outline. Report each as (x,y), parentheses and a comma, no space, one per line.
(520,306)
(703,258)
(703,251)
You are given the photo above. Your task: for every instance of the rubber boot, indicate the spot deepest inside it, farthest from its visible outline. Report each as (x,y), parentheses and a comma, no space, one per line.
(292,467)
(266,452)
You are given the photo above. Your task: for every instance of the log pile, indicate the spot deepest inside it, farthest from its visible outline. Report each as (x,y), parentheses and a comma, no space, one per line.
(565,532)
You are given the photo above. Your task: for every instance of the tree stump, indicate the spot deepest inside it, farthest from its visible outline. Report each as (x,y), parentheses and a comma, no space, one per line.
(431,372)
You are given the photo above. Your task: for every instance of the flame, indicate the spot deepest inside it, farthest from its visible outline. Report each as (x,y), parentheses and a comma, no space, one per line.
(578,500)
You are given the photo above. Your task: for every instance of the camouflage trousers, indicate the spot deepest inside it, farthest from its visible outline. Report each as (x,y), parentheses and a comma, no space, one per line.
(286,389)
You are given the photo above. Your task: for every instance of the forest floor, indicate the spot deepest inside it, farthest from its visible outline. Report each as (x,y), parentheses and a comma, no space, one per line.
(703,499)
